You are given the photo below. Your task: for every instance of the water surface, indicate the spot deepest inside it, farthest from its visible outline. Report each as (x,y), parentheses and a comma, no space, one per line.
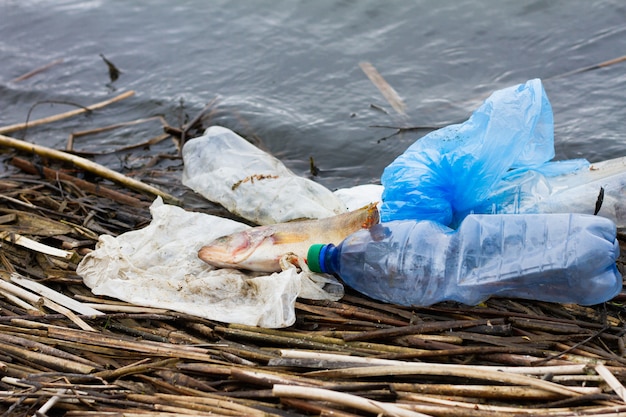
(287,72)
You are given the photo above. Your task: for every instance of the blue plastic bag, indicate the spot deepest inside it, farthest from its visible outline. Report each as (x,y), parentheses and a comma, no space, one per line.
(477,166)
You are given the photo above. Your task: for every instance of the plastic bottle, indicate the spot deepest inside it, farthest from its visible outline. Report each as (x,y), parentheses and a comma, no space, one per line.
(567,258)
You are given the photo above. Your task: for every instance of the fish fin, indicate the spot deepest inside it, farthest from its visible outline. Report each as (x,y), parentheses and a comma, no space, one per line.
(373,216)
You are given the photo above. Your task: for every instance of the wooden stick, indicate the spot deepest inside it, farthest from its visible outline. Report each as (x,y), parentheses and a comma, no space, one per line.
(354,360)
(591,67)
(86,165)
(315,408)
(37,71)
(33,345)
(87,186)
(383,86)
(425,327)
(320,394)
(611,380)
(69,314)
(499,392)
(55,296)
(49,361)
(464,371)
(70,141)
(21,293)
(146,346)
(61,116)
(34,245)
(50,403)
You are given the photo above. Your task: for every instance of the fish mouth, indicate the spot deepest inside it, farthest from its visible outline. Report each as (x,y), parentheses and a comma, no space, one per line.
(226,251)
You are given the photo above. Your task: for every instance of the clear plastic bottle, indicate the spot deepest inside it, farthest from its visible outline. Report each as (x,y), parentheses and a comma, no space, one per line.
(567,258)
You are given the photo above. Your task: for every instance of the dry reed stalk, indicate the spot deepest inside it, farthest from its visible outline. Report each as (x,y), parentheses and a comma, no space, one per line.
(584,379)
(299,338)
(55,296)
(248,352)
(417,400)
(337,361)
(317,310)
(86,349)
(135,368)
(591,67)
(347,400)
(426,327)
(398,311)
(610,379)
(37,71)
(342,322)
(87,165)
(496,392)
(220,403)
(146,347)
(125,308)
(46,360)
(30,298)
(61,116)
(70,141)
(19,371)
(44,348)
(50,403)
(125,413)
(35,246)
(270,378)
(392,97)
(315,408)
(436,369)
(416,340)
(87,186)
(275,339)
(28,223)
(179,379)
(67,313)
(360,313)
(19,302)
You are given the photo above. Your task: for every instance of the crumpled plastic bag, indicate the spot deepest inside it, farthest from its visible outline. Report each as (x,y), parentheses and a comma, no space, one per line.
(158,266)
(227,169)
(478,166)
(360,195)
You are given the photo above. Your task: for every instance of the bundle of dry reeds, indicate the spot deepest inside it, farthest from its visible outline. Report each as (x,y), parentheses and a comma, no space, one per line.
(65,352)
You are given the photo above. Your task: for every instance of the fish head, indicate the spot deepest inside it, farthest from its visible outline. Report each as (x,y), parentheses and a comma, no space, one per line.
(238,250)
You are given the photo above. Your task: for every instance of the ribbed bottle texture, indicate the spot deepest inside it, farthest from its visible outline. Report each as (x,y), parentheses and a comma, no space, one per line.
(568,258)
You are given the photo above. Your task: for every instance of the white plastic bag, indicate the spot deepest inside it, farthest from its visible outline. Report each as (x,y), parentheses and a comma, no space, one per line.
(158,266)
(227,169)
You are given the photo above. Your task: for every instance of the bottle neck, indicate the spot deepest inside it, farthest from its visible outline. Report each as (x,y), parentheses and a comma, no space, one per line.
(329,259)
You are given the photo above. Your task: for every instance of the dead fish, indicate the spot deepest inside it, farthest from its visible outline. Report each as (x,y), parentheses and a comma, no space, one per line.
(260,248)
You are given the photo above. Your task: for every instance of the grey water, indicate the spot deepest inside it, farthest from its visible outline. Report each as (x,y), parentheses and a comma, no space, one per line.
(286,73)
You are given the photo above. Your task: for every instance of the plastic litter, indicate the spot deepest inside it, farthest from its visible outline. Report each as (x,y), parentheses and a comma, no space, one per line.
(598,189)
(227,169)
(158,266)
(567,258)
(498,161)
(492,163)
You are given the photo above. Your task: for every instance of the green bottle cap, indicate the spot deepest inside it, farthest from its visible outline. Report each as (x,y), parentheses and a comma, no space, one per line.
(313,257)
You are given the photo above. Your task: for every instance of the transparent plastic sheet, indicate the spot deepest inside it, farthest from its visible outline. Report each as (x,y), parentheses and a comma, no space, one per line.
(158,266)
(474,167)
(598,189)
(225,168)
